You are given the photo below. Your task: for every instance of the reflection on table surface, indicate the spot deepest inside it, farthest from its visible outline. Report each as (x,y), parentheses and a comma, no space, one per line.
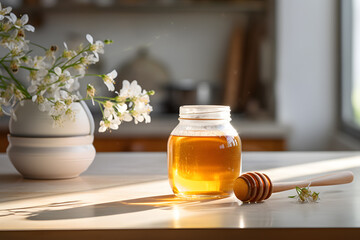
(131,191)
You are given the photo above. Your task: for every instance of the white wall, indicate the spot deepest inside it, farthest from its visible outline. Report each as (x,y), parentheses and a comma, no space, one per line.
(192,45)
(306,71)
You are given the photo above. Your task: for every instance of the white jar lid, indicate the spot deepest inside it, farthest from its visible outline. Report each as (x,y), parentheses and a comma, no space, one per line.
(206,112)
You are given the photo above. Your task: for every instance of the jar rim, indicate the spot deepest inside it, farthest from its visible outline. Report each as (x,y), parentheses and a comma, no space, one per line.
(210,112)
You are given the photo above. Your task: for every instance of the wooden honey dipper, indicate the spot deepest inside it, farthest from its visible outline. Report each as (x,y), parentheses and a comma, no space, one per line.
(257,187)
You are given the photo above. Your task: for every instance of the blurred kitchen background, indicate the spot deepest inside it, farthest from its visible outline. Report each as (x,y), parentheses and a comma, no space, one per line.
(279,64)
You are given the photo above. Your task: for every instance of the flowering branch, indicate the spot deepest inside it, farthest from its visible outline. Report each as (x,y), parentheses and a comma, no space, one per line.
(305,195)
(54,80)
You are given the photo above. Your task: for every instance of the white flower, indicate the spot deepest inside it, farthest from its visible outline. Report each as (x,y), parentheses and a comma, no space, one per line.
(112,123)
(121,108)
(6,96)
(109,109)
(43,103)
(141,112)
(39,89)
(21,23)
(70,114)
(97,47)
(58,109)
(64,78)
(50,54)
(58,120)
(81,69)
(16,48)
(109,80)
(90,92)
(122,112)
(32,88)
(68,53)
(41,66)
(63,75)
(74,85)
(130,90)
(4,11)
(139,102)
(88,59)
(144,97)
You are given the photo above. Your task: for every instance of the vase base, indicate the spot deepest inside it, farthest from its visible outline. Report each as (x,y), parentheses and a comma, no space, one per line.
(51,158)
(48,177)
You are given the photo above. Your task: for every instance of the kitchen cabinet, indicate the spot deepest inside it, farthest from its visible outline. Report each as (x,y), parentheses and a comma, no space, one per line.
(255,135)
(159,144)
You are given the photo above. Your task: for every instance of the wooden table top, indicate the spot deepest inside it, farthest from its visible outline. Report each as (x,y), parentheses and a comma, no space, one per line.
(128,195)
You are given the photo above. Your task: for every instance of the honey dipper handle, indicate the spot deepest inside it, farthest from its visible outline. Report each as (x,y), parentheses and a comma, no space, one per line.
(330,179)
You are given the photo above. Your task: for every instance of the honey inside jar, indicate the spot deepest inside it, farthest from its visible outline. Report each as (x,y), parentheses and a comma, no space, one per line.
(203,166)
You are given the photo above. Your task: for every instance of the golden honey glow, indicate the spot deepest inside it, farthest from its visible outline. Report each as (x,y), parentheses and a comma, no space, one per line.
(203,166)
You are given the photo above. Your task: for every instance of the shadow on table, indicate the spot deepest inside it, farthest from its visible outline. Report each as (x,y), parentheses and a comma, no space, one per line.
(10,178)
(165,202)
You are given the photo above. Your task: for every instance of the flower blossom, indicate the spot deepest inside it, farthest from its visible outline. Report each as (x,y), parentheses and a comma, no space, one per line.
(130,90)
(63,75)
(54,78)
(40,65)
(16,48)
(90,92)
(97,47)
(109,80)
(109,109)
(70,114)
(145,98)
(4,11)
(88,59)
(141,112)
(43,103)
(50,53)
(122,112)
(111,123)
(21,23)
(58,109)
(68,53)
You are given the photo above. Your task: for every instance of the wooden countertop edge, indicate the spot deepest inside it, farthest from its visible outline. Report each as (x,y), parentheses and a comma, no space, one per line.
(188,233)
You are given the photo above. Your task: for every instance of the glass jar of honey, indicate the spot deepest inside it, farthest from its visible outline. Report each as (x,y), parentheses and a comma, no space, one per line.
(204,153)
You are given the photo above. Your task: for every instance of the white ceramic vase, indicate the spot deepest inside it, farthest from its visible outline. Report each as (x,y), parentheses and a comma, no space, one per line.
(51,158)
(38,150)
(31,122)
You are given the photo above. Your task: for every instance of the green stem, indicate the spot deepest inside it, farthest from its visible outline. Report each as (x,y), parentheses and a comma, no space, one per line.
(97,99)
(19,85)
(3,77)
(95,75)
(78,54)
(102,111)
(55,65)
(71,65)
(2,59)
(56,62)
(4,35)
(37,45)
(29,68)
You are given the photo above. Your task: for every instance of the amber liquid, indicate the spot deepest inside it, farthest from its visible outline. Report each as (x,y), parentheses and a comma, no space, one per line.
(203,167)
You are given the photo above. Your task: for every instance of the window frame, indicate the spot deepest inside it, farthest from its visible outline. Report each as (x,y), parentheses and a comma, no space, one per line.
(345,42)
